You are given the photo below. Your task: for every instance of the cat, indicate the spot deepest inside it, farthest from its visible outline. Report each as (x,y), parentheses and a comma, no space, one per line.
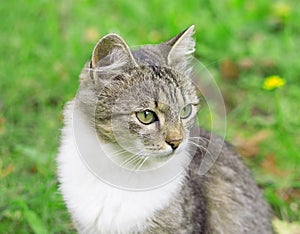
(134,113)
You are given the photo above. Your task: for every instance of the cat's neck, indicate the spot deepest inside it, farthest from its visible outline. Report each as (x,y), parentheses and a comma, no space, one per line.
(90,196)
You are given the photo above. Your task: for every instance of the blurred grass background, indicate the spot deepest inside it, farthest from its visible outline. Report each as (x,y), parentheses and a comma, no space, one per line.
(44,44)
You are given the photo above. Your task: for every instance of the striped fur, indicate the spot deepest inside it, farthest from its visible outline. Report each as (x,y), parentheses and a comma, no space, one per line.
(114,86)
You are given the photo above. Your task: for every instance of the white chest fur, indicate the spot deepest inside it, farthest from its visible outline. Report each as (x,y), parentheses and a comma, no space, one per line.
(97,207)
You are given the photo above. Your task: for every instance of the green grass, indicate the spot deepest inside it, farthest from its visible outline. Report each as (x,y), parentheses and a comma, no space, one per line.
(44,45)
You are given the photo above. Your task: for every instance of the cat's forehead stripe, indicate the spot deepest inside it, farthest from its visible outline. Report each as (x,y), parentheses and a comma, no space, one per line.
(166,74)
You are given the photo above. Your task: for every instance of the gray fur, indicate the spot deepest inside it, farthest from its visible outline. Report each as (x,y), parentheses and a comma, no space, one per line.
(121,82)
(225,200)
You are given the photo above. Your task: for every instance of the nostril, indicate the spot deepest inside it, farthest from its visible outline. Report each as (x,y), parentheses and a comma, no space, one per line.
(174,146)
(174,143)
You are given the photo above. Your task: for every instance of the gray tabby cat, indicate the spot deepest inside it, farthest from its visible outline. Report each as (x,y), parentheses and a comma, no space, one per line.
(142,106)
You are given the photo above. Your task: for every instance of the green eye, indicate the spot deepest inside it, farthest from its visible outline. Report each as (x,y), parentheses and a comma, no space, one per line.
(186,111)
(146,116)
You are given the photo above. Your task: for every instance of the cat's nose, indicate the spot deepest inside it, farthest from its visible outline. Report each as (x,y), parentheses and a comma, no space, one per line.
(174,143)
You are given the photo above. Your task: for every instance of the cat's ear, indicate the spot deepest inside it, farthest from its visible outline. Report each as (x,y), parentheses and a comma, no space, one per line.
(111,56)
(181,50)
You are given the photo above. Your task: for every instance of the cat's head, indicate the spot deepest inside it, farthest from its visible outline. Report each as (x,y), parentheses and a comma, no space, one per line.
(146,102)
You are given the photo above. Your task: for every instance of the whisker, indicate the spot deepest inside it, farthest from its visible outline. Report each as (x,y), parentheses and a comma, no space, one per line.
(143,162)
(118,154)
(210,155)
(201,147)
(201,139)
(122,151)
(198,145)
(130,160)
(137,164)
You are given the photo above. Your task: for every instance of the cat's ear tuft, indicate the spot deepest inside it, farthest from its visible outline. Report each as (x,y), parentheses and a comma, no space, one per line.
(181,50)
(111,56)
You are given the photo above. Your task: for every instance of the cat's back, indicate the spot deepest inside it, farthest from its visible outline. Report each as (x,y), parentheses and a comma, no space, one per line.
(236,204)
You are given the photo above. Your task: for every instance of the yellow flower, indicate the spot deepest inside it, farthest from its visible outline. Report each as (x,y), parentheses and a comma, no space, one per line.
(273,82)
(281,9)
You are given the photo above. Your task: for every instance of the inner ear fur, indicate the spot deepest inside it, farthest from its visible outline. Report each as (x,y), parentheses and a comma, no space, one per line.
(112,50)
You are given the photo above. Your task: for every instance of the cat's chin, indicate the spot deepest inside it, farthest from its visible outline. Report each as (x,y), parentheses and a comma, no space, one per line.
(164,155)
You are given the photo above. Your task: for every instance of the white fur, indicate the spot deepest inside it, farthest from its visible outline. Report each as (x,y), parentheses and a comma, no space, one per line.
(97,207)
